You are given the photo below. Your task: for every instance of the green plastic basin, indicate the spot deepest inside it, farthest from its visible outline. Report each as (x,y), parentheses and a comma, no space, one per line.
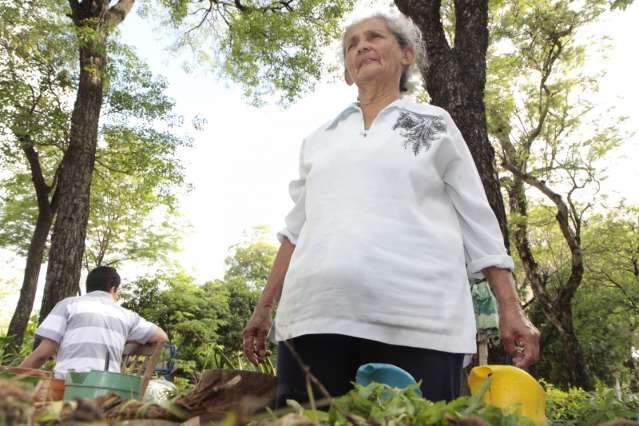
(96,383)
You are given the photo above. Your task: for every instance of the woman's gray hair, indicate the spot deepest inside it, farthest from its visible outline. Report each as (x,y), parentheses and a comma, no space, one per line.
(407,34)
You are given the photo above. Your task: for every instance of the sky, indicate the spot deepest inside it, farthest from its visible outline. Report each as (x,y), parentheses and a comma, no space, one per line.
(240,165)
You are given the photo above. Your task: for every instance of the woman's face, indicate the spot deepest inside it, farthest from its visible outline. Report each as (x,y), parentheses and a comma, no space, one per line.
(371,52)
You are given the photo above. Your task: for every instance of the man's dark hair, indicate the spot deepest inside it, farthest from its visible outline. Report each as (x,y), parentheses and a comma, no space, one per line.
(103,278)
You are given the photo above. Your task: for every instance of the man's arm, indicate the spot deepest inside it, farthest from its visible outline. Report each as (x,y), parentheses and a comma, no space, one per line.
(160,336)
(45,350)
(518,334)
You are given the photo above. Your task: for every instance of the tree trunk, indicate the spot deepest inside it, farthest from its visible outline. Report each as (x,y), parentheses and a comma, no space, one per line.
(69,230)
(576,363)
(95,19)
(455,80)
(35,254)
(20,319)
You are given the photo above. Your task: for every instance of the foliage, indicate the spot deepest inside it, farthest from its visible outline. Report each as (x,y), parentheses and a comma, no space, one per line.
(604,311)
(578,407)
(248,268)
(206,321)
(194,317)
(189,313)
(36,74)
(379,404)
(251,259)
(241,300)
(18,210)
(36,69)
(10,357)
(613,261)
(539,91)
(551,140)
(266,46)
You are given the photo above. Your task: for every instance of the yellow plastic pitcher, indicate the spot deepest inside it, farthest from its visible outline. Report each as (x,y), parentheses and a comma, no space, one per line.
(511,388)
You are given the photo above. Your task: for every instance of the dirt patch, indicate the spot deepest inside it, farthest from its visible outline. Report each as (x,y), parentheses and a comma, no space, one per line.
(218,393)
(16,405)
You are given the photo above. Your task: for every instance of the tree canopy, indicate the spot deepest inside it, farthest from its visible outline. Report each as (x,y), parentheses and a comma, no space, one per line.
(267,46)
(137,174)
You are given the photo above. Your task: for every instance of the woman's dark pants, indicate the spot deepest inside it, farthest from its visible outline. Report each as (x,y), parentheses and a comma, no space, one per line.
(334,359)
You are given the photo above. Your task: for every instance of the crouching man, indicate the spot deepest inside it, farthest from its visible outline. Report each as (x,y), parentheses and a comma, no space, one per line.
(89,332)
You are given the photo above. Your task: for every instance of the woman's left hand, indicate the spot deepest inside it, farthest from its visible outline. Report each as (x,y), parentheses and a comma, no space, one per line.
(519,336)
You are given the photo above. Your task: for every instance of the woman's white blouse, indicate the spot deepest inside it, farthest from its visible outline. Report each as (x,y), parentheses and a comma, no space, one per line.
(388,224)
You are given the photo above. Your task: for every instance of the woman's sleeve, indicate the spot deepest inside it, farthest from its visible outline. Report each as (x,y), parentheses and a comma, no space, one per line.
(483,241)
(295,219)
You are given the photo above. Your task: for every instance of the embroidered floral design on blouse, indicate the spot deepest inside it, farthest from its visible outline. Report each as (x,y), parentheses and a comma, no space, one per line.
(420,130)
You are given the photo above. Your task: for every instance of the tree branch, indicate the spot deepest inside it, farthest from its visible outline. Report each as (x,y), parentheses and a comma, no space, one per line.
(287,5)
(563,219)
(628,298)
(537,280)
(205,14)
(112,169)
(240,6)
(41,188)
(118,12)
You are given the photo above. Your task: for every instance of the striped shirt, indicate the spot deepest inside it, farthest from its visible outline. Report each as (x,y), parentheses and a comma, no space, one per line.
(90,329)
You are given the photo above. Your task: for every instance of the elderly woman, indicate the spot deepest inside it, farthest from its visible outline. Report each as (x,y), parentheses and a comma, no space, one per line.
(390,218)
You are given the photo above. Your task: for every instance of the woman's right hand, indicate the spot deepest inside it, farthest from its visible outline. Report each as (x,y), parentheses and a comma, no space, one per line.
(255,333)
(256,330)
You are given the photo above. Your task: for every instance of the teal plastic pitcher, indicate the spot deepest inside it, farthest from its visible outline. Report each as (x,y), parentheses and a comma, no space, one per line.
(387,374)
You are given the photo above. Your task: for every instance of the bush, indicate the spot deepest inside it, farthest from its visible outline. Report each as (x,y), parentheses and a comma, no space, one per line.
(578,407)
(13,358)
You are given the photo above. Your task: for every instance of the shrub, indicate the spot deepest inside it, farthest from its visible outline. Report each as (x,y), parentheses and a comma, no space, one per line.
(578,407)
